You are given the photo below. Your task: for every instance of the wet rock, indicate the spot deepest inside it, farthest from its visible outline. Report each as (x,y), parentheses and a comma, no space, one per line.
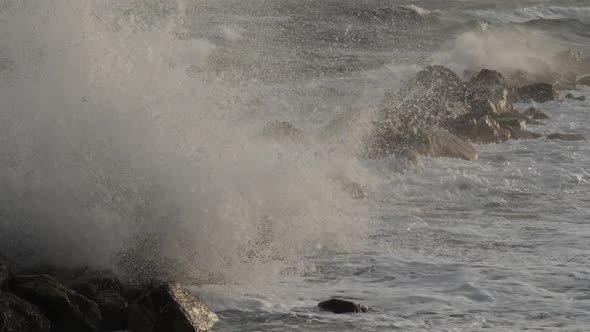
(67,310)
(567,137)
(490,93)
(281,130)
(342,307)
(484,130)
(108,293)
(571,96)
(354,189)
(168,307)
(584,80)
(515,122)
(536,114)
(18,315)
(540,93)
(521,134)
(435,142)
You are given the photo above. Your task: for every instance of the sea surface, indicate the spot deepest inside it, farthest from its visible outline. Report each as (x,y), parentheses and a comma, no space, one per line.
(122,118)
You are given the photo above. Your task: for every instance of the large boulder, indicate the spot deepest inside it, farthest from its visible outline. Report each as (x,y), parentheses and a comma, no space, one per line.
(435,142)
(67,310)
(168,307)
(489,93)
(18,315)
(342,307)
(484,130)
(540,93)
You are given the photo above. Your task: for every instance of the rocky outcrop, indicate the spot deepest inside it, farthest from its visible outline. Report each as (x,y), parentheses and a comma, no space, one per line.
(540,93)
(18,315)
(280,130)
(567,137)
(483,130)
(342,307)
(66,309)
(434,142)
(169,307)
(489,93)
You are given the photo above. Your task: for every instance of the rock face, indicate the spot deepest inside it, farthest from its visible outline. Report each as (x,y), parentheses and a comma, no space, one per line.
(540,93)
(567,137)
(484,130)
(342,307)
(169,308)
(435,142)
(18,315)
(281,130)
(66,309)
(490,93)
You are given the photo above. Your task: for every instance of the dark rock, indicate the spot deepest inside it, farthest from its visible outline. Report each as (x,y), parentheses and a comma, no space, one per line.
(66,309)
(584,80)
(581,98)
(434,142)
(490,93)
(168,307)
(354,189)
(108,292)
(567,137)
(536,114)
(515,122)
(520,134)
(281,130)
(484,130)
(342,307)
(18,315)
(571,96)
(540,93)
(470,73)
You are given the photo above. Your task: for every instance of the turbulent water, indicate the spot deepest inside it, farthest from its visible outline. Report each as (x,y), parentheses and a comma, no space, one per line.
(130,137)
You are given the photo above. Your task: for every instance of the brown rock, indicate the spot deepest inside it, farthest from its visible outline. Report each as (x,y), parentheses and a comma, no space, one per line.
(342,307)
(490,93)
(18,315)
(435,142)
(567,137)
(540,93)
(67,310)
(520,134)
(169,307)
(484,130)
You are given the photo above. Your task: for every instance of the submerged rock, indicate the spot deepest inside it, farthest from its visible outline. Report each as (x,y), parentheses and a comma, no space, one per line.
(540,93)
(168,307)
(281,130)
(484,130)
(18,315)
(571,96)
(567,137)
(490,93)
(341,307)
(536,114)
(66,309)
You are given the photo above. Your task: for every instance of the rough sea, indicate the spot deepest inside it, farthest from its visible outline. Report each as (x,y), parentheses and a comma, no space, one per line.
(125,119)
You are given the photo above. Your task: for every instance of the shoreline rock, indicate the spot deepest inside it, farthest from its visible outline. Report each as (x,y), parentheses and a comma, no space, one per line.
(342,307)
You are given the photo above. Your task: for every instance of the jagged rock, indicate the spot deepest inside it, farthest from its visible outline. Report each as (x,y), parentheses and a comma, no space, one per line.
(567,137)
(354,189)
(490,93)
(520,134)
(18,315)
(168,307)
(584,80)
(434,142)
(342,307)
(536,114)
(281,130)
(540,93)
(108,292)
(67,310)
(484,130)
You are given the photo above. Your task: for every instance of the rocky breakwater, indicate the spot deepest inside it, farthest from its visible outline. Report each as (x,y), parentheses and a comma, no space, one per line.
(438,115)
(78,300)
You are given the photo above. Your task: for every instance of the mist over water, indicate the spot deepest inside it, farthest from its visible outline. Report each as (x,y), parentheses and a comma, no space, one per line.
(117,141)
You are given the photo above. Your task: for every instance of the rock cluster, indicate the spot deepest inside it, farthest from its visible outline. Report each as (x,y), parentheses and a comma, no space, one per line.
(74,301)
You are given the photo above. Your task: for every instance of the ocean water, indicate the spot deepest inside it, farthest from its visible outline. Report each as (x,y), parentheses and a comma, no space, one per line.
(127,120)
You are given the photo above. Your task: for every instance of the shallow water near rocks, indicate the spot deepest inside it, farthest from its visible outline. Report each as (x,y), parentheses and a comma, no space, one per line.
(128,117)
